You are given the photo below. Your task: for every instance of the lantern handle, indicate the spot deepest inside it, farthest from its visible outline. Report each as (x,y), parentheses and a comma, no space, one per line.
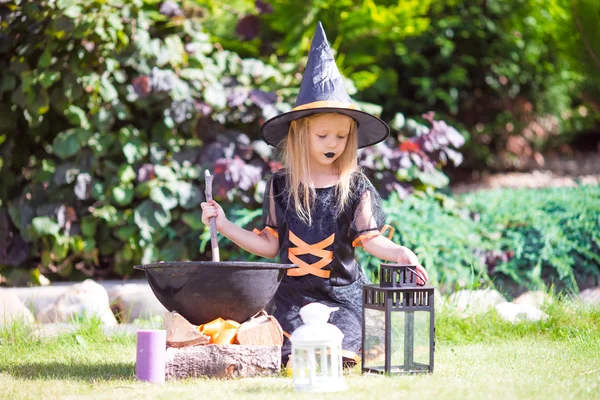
(417,273)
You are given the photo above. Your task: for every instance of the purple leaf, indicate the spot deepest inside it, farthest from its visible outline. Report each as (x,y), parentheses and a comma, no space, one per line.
(145,173)
(236,97)
(248,27)
(170,9)
(262,98)
(263,7)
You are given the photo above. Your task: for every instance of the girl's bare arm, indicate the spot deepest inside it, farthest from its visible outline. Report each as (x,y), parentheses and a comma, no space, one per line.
(383,248)
(264,245)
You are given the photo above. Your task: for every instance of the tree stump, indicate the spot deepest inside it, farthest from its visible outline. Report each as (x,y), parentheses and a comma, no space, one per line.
(222,361)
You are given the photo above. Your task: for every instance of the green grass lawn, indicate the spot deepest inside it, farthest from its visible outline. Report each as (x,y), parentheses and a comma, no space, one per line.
(476,358)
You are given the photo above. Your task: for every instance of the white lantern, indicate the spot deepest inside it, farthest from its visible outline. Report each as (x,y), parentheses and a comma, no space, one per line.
(317,351)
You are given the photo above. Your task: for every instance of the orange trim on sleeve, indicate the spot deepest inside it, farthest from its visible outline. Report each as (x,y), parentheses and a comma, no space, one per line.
(268,229)
(369,235)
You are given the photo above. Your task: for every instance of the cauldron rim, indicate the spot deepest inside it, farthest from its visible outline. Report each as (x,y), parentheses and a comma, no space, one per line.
(219,264)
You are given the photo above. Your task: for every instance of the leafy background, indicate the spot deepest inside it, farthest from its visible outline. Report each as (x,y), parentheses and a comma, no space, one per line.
(111,110)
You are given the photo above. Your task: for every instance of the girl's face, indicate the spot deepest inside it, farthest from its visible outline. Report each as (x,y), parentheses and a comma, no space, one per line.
(327,138)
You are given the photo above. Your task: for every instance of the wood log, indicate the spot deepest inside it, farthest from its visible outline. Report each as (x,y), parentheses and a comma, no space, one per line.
(262,329)
(180,333)
(222,361)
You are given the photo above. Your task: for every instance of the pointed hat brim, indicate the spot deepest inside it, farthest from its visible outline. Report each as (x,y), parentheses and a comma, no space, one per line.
(322,91)
(370,129)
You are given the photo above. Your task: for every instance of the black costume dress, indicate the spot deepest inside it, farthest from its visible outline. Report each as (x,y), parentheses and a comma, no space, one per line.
(324,251)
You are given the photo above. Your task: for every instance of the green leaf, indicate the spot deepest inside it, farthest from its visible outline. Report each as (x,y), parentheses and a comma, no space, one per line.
(114,20)
(150,254)
(175,50)
(107,213)
(103,120)
(124,233)
(190,196)
(100,143)
(48,78)
(45,58)
(8,82)
(434,178)
(38,102)
(107,90)
(123,194)
(164,173)
(98,191)
(151,219)
(45,226)
(77,116)
(89,245)
(68,143)
(214,95)
(88,225)
(60,248)
(126,174)
(135,150)
(172,251)
(163,196)
(193,220)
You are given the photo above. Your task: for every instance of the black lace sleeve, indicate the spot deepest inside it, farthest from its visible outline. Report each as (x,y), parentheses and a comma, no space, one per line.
(369,215)
(269,215)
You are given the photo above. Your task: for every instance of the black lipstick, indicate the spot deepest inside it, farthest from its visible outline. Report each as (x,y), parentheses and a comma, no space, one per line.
(329,155)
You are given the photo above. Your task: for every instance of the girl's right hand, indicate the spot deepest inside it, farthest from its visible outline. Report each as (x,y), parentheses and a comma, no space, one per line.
(213,209)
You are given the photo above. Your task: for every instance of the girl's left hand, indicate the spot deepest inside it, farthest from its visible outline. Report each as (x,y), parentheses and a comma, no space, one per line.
(407,257)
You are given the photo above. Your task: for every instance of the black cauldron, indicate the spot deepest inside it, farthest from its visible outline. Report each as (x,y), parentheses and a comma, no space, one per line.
(204,290)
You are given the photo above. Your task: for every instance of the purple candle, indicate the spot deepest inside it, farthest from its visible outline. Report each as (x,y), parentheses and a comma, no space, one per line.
(150,357)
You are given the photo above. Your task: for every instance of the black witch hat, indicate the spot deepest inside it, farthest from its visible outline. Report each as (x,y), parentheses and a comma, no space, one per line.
(322,91)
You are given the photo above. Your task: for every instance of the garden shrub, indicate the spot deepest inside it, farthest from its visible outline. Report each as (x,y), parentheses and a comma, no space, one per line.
(516,75)
(109,113)
(540,237)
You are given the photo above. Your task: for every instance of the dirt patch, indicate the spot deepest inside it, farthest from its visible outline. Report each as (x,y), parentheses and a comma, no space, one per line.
(579,169)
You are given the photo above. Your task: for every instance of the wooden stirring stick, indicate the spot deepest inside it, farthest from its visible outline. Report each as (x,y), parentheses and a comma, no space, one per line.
(208,178)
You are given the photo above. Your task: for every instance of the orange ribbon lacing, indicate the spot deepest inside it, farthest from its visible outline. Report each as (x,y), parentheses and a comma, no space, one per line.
(268,229)
(358,241)
(317,250)
(220,331)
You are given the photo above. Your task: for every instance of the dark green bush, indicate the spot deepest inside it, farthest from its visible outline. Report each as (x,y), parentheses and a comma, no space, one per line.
(109,113)
(540,237)
(513,239)
(512,73)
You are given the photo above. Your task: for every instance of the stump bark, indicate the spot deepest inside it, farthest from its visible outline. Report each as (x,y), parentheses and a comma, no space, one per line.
(222,361)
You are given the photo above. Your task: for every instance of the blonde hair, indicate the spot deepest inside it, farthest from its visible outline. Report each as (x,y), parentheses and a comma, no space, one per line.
(295,160)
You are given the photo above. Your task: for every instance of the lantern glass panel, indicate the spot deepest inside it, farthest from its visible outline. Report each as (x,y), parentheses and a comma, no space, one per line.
(301,366)
(317,367)
(410,340)
(374,341)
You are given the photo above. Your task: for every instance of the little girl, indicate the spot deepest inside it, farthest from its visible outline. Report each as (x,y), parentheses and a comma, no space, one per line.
(319,206)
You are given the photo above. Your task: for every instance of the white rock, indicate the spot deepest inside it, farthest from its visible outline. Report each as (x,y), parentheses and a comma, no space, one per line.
(37,298)
(475,301)
(590,296)
(12,310)
(85,299)
(136,300)
(517,312)
(533,299)
(439,302)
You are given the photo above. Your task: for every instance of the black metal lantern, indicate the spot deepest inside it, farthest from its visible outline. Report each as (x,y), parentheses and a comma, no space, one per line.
(398,323)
